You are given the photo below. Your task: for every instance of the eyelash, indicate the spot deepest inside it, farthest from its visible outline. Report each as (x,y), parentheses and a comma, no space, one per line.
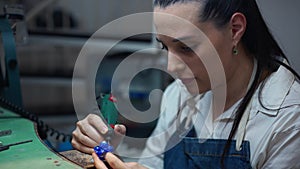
(164,47)
(184,48)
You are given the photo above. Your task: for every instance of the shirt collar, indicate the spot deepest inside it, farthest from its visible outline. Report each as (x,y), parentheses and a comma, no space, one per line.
(274,91)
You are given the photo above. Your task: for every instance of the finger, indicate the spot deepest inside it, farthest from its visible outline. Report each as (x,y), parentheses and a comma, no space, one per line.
(133,165)
(83,139)
(97,162)
(97,123)
(89,131)
(119,128)
(114,161)
(77,145)
(120,131)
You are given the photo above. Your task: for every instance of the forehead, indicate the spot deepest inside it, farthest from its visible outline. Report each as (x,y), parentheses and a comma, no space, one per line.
(188,10)
(180,19)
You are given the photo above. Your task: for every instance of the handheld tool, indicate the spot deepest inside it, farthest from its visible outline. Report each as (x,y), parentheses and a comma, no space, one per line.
(6,147)
(109,114)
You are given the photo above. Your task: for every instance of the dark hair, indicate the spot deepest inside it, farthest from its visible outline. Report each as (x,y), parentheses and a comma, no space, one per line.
(257,40)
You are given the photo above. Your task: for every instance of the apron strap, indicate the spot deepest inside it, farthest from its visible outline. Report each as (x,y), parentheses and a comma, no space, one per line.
(243,123)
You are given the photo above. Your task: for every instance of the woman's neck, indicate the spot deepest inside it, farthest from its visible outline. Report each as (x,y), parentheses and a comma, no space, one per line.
(238,82)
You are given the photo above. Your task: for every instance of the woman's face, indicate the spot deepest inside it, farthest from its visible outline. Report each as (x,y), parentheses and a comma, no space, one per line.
(188,48)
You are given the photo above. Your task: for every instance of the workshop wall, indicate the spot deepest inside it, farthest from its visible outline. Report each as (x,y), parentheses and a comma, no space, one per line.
(283,20)
(57,32)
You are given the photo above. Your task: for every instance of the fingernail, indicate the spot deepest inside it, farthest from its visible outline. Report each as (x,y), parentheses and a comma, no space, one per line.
(104,129)
(118,128)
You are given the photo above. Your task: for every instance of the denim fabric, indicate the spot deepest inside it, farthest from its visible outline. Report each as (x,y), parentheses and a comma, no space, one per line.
(194,153)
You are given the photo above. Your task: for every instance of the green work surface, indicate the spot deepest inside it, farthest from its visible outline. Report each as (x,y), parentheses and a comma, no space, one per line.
(31,155)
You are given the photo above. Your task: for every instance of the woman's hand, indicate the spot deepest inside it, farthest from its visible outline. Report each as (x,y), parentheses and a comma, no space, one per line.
(90,132)
(115,163)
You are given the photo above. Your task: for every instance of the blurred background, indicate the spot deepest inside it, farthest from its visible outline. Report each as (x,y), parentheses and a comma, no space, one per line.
(49,40)
(53,32)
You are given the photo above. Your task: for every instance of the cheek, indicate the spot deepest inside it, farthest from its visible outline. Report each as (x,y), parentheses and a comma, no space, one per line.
(202,60)
(197,67)
(226,57)
(224,49)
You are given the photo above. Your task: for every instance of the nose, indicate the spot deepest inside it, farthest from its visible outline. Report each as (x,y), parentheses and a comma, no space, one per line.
(175,64)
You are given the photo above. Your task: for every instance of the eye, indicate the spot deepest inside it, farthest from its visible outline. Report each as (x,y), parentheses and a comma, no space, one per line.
(186,49)
(163,46)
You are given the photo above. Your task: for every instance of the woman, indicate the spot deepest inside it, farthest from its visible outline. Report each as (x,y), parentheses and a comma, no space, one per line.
(259,125)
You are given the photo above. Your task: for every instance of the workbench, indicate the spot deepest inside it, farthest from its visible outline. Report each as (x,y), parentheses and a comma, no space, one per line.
(34,154)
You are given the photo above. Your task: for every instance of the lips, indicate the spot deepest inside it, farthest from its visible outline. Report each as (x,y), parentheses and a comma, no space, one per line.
(187,80)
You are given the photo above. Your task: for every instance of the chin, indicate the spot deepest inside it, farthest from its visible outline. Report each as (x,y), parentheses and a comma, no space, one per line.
(196,89)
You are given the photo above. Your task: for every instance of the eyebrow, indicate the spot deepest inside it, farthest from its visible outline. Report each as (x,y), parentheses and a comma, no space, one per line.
(175,40)
(181,39)
(157,39)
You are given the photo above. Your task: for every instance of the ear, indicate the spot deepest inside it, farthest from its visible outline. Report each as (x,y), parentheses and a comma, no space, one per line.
(238,26)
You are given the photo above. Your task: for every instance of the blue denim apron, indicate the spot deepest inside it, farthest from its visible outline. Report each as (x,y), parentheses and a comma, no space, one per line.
(192,152)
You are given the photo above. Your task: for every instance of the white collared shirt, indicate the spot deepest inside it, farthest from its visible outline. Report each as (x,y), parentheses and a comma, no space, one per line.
(273,127)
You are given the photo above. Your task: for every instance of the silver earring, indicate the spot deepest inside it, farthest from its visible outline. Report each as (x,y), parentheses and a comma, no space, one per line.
(235,51)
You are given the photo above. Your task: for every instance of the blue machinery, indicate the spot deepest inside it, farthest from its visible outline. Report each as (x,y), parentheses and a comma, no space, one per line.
(9,76)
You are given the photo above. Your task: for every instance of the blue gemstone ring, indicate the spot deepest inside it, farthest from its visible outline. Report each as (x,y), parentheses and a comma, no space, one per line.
(102,149)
